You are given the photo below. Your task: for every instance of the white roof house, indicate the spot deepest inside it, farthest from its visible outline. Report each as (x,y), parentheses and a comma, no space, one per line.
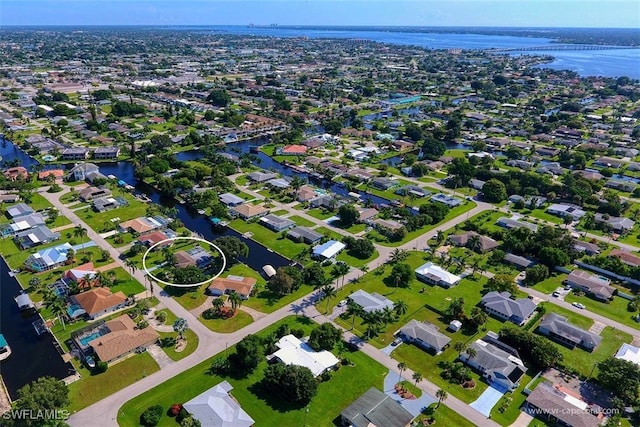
(216,408)
(630,353)
(436,275)
(292,351)
(370,302)
(328,250)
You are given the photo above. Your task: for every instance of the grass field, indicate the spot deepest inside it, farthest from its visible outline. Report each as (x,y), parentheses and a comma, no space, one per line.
(101,222)
(345,385)
(225,326)
(92,388)
(277,242)
(303,222)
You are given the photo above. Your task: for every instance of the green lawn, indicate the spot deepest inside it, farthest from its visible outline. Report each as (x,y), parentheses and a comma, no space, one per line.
(266,302)
(614,310)
(320,213)
(225,326)
(334,235)
(124,282)
(101,222)
(303,222)
(92,388)
(551,283)
(446,417)
(277,242)
(511,413)
(355,262)
(345,385)
(192,343)
(189,298)
(126,238)
(241,180)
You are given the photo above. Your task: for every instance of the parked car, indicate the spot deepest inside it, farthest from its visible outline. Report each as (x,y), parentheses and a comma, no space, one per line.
(397,341)
(342,303)
(578,305)
(555,294)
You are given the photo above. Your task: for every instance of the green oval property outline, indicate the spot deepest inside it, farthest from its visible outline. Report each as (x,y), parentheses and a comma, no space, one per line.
(181,285)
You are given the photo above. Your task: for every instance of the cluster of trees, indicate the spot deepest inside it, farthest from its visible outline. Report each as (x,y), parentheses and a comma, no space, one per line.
(536,274)
(294,383)
(502,283)
(456,311)
(359,248)
(219,98)
(286,280)
(615,265)
(552,246)
(232,248)
(622,378)
(324,337)
(38,397)
(538,350)
(126,109)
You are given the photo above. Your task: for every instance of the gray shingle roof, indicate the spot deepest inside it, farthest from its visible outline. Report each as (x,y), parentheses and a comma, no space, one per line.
(560,326)
(502,303)
(376,408)
(425,332)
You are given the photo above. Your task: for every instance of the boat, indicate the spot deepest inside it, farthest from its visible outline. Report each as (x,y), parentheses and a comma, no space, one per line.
(269,271)
(41,327)
(24,301)
(201,211)
(5,350)
(90,362)
(218,222)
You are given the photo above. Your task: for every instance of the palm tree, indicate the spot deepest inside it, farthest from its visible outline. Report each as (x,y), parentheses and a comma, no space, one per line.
(439,237)
(442,396)
(340,270)
(328,292)
(80,232)
(372,320)
(459,346)
(180,326)
(475,243)
(131,265)
(417,377)
(35,283)
(56,304)
(400,307)
(100,278)
(296,183)
(398,255)
(217,304)
(471,353)
(236,301)
(353,310)
(364,269)
(401,367)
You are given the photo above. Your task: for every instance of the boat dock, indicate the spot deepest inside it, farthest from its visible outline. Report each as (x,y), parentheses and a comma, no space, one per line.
(5,400)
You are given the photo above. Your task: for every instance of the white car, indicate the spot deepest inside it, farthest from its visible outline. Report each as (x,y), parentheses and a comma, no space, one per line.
(578,305)
(342,303)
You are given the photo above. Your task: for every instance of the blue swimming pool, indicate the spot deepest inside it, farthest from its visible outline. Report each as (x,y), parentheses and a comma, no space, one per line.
(87,339)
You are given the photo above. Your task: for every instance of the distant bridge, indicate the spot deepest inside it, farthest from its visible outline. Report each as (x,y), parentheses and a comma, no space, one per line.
(554,47)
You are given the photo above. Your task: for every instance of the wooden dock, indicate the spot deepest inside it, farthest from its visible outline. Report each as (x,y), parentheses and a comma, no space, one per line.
(5,400)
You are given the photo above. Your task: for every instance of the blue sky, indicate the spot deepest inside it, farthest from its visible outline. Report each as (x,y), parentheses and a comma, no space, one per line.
(537,13)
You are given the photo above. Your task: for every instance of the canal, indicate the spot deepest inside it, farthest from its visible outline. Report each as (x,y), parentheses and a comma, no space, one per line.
(32,356)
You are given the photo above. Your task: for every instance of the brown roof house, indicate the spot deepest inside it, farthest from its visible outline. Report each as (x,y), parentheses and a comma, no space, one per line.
(626,257)
(100,301)
(12,174)
(599,287)
(248,211)
(238,284)
(467,239)
(555,404)
(123,339)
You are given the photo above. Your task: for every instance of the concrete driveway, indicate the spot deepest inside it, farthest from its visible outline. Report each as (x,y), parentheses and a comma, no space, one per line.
(488,399)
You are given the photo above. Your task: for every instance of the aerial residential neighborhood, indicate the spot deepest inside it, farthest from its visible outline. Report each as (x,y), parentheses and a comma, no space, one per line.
(220,229)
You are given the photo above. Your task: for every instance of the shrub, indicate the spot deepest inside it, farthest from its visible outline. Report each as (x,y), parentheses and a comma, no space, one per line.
(142,324)
(168,342)
(161,317)
(175,409)
(101,367)
(298,333)
(151,417)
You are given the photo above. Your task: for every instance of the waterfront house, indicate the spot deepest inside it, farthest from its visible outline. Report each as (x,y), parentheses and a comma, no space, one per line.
(58,175)
(500,367)
(216,408)
(35,236)
(370,302)
(366,215)
(292,351)
(78,273)
(103,204)
(75,153)
(375,408)
(123,338)
(412,191)
(425,335)
(382,183)
(559,329)
(328,250)
(106,153)
(97,302)
(196,256)
(597,286)
(84,172)
(306,193)
(156,237)
(276,223)
(242,286)
(261,176)
(502,306)
(248,211)
(25,222)
(19,210)
(292,150)
(48,259)
(231,200)
(436,275)
(15,173)
(142,225)
(304,234)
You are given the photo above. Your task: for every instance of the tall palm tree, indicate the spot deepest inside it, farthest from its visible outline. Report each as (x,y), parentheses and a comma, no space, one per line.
(401,367)
(80,232)
(400,308)
(398,255)
(180,326)
(296,183)
(353,310)
(217,303)
(475,243)
(236,301)
(471,353)
(439,237)
(131,265)
(417,377)
(442,396)
(364,269)
(100,278)
(459,346)
(328,292)
(340,270)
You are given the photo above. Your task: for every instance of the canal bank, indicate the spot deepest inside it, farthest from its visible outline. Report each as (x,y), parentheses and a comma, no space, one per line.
(33,356)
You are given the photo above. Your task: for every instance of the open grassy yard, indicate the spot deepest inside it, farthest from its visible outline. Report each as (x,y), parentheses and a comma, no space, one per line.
(551,283)
(189,298)
(334,235)
(512,411)
(225,326)
(124,282)
(345,385)
(278,242)
(101,222)
(303,222)
(266,302)
(615,310)
(92,388)
(446,417)
(353,261)
(320,213)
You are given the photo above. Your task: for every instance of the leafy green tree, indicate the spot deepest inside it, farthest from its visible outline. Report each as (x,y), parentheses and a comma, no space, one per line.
(314,275)
(413,132)
(402,275)
(494,191)
(43,394)
(502,283)
(296,383)
(324,337)
(233,248)
(455,309)
(249,352)
(188,275)
(180,326)
(536,274)
(348,215)
(151,416)
(219,98)
(621,377)
(552,257)
(281,283)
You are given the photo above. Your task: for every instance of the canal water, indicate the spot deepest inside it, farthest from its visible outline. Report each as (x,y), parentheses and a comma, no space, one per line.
(32,356)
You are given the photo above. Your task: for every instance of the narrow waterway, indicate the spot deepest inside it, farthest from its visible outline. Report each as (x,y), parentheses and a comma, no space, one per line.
(32,356)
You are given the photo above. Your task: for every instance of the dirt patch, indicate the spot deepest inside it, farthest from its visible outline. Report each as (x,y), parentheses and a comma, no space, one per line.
(181,344)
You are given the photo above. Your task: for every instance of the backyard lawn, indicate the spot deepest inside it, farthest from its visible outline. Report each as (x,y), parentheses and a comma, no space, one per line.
(101,222)
(303,222)
(92,388)
(225,326)
(345,385)
(278,242)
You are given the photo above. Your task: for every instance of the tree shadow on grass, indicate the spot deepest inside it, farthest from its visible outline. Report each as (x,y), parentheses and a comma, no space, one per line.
(272,398)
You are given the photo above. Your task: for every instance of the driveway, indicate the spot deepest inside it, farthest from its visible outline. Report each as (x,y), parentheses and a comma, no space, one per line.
(488,399)
(414,406)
